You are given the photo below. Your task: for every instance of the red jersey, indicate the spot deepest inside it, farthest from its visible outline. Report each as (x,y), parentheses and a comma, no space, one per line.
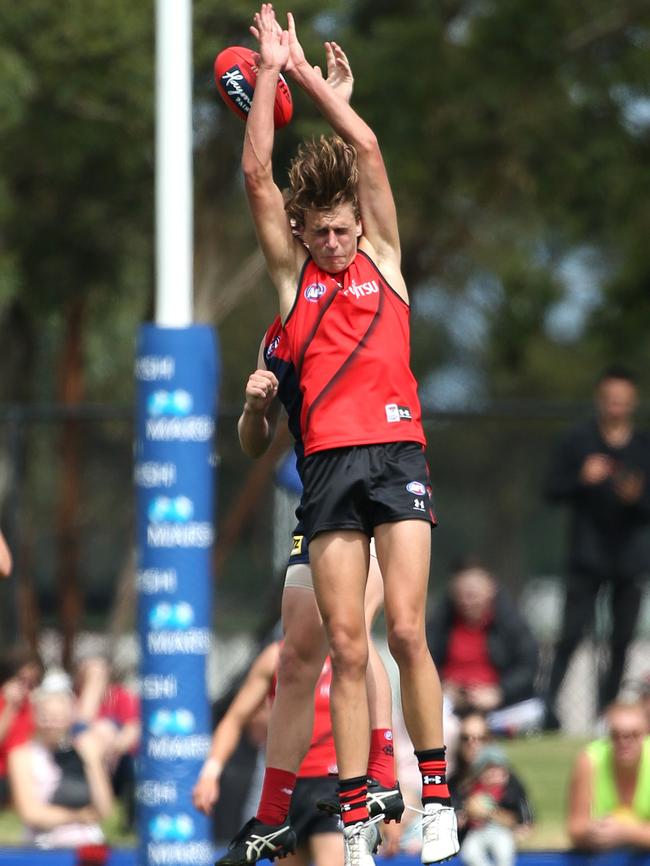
(468,660)
(20,731)
(120,705)
(320,760)
(348,336)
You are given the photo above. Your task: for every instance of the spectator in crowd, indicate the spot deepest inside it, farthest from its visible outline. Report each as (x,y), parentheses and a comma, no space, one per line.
(111,711)
(495,811)
(600,469)
(59,786)
(481,644)
(21,670)
(609,794)
(473,736)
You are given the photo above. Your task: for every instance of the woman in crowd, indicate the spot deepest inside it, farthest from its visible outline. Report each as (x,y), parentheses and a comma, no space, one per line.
(60,789)
(609,795)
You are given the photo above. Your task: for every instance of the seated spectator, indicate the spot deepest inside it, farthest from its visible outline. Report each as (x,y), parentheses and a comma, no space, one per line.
(21,671)
(473,736)
(59,787)
(495,811)
(609,794)
(111,711)
(483,647)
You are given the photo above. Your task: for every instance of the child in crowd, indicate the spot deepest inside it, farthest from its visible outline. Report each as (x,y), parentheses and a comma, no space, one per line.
(495,810)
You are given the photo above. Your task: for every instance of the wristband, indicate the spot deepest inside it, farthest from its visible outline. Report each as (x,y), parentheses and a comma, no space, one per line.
(212,767)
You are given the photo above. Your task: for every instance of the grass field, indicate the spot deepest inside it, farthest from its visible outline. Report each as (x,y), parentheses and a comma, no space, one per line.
(543,763)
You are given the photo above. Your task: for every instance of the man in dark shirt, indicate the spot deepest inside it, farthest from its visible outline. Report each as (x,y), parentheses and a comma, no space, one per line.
(601,469)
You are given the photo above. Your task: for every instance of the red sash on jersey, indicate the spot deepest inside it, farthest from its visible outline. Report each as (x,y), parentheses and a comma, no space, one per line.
(348,337)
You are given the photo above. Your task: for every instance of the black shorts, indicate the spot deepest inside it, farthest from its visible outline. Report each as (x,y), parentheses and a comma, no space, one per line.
(363,486)
(305,816)
(299,553)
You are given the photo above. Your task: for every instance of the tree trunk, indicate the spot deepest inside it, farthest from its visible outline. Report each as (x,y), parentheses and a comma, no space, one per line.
(67,576)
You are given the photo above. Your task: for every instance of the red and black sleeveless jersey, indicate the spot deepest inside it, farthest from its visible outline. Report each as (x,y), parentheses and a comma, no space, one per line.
(277,360)
(348,337)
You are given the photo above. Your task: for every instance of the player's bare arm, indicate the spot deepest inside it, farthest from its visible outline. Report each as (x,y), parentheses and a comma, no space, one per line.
(283,253)
(258,420)
(376,201)
(228,732)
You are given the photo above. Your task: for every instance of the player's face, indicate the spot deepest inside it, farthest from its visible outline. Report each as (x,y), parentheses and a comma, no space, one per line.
(331,237)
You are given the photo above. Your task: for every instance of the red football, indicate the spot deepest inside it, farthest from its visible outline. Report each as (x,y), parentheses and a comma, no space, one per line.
(235,74)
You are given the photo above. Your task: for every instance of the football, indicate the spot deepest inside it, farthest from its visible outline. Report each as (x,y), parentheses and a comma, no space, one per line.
(235,74)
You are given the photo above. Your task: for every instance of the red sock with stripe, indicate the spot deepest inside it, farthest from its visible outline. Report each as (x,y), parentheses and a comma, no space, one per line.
(433,768)
(353,794)
(276,796)
(381,761)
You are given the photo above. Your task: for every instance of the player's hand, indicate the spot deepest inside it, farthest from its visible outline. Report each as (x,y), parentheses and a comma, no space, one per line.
(273,40)
(261,389)
(339,71)
(390,839)
(296,52)
(596,469)
(206,793)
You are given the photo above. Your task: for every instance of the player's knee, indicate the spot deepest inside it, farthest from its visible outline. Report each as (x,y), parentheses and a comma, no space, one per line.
(300,665)
(348,652)
(407,642)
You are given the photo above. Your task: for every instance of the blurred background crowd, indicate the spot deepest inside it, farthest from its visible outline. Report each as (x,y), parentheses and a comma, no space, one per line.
(518,147)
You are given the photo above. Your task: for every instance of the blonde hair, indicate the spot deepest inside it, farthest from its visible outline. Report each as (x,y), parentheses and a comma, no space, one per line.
(322,176)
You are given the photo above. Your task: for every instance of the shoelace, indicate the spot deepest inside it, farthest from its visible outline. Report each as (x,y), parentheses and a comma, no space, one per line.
(428,818)
(355,836)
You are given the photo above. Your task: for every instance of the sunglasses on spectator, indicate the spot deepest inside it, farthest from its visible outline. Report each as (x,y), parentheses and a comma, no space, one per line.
(473,738)
(625,735)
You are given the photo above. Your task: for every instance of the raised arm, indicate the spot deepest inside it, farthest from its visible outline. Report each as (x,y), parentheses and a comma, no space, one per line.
(375,195)
(283,253)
